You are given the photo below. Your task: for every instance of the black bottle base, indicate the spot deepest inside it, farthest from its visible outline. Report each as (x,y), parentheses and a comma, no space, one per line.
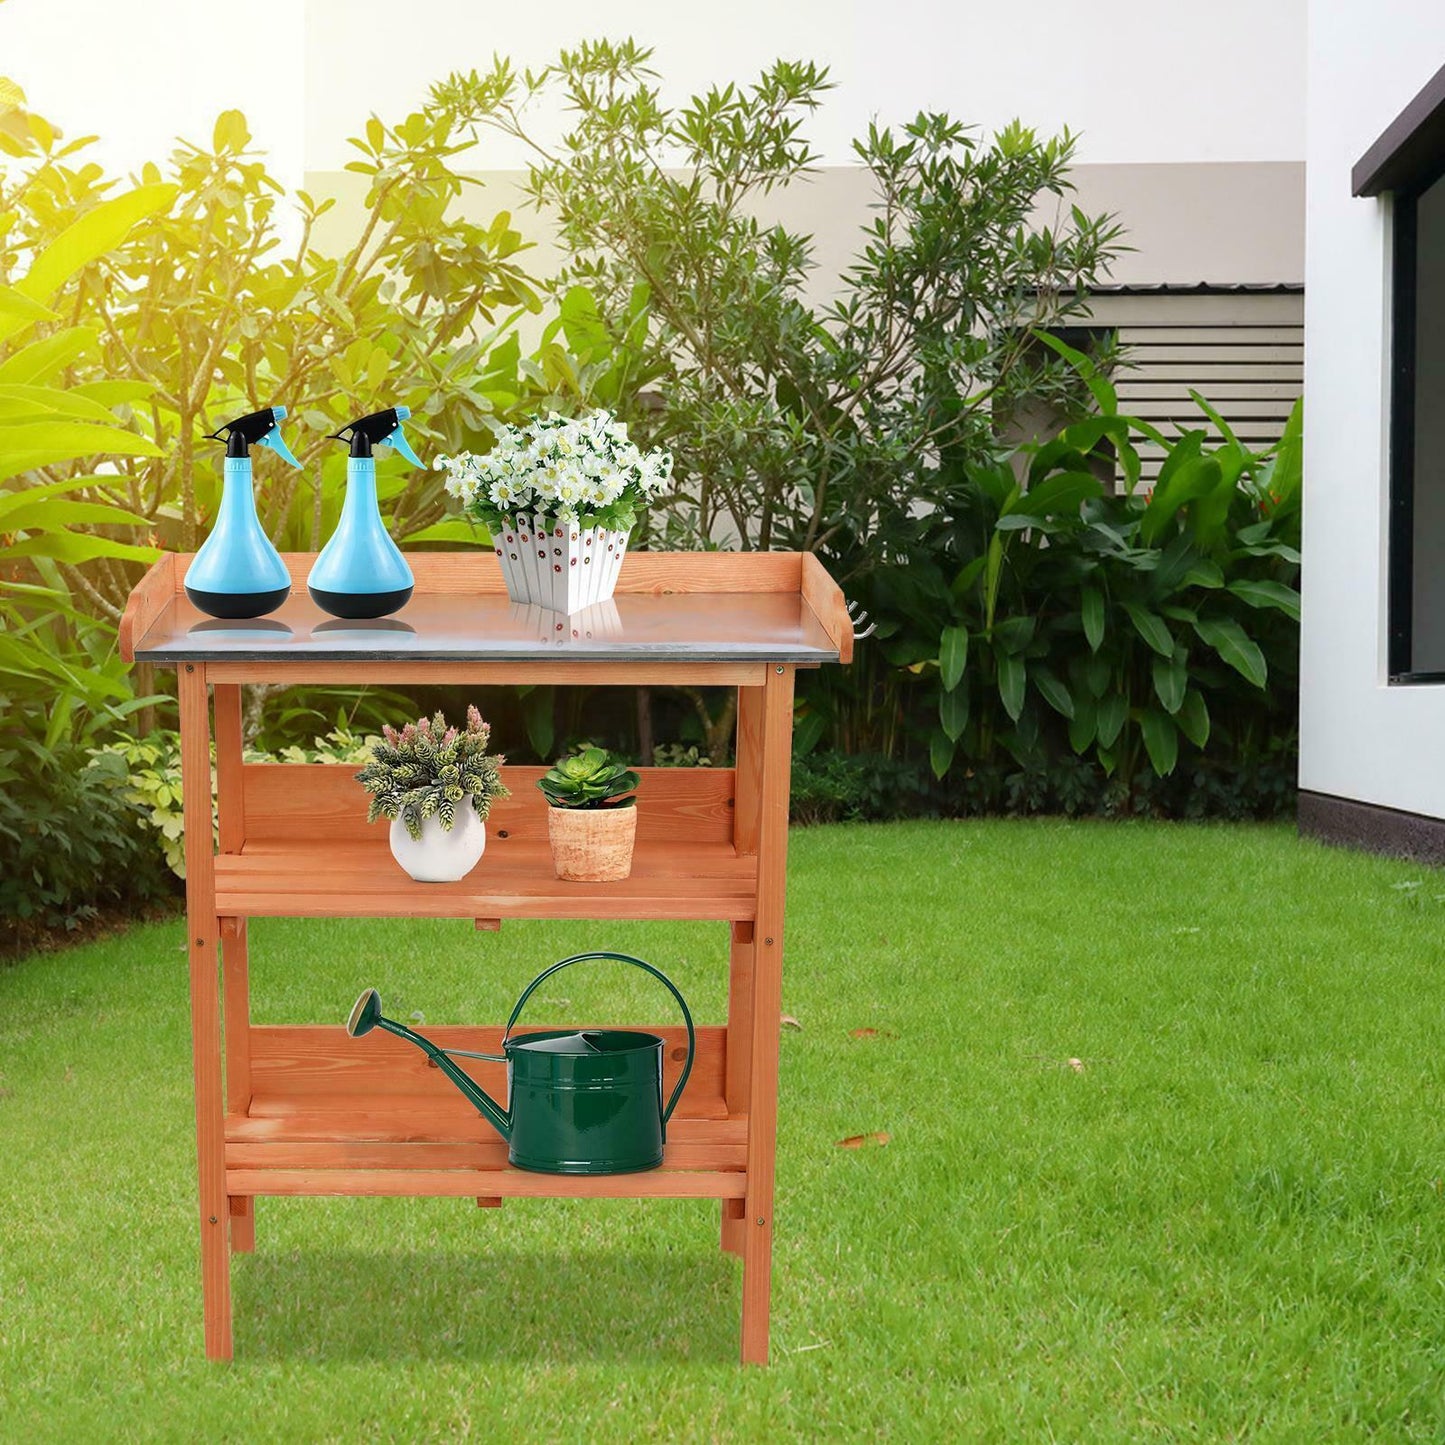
(238,604)
(360,604)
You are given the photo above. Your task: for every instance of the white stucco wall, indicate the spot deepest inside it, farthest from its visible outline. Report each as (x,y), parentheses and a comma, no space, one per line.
(1138,85)
(1143,92)
(1360,738)
(140,73)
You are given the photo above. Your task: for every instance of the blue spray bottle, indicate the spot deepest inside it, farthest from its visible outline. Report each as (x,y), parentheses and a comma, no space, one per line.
(237,572)
(361,572)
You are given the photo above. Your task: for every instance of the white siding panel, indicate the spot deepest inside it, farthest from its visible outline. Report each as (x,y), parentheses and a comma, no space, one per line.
(1243,351)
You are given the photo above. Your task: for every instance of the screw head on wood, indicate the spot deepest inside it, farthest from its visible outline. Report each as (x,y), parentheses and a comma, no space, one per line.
(778,670)
(762,1221)
(190,667)
(768,941)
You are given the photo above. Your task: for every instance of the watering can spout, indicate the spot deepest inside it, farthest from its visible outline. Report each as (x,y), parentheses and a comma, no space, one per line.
(366,1015)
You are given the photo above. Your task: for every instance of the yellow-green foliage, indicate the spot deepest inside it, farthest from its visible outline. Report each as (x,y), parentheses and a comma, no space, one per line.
(149,777)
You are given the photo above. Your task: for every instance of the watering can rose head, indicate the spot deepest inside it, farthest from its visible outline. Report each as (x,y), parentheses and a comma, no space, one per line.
(429,769)
(591,778)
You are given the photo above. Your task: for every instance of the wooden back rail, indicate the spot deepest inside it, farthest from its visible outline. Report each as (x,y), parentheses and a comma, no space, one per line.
(323,801)
(316,1062)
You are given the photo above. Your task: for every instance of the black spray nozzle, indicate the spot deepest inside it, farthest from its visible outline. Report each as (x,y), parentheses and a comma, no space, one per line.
(257,428)
(381,428)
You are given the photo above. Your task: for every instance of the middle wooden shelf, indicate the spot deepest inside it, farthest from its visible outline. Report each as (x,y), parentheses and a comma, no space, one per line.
(303,849)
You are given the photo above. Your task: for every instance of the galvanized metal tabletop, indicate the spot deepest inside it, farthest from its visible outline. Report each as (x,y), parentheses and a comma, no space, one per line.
(456,627)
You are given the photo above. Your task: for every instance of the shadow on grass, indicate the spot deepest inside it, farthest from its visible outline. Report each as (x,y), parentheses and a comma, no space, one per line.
(501,1305)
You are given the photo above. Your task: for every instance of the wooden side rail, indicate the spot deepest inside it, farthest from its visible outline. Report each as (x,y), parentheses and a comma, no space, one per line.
(148,599)
(822,594)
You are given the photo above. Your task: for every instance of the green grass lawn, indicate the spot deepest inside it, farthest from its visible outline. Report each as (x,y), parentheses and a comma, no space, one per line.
(1165,1162)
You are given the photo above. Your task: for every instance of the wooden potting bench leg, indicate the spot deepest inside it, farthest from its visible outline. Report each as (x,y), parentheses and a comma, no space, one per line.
(739,1052)
(235,955)
(766,1008)
(203,927)
(235,943)
(747,788)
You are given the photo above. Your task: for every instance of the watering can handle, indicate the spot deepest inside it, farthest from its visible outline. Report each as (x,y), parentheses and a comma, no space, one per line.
(657,973)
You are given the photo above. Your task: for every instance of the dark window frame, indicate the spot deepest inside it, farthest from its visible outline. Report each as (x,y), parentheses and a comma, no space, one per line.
(1404,162)
(1400,552)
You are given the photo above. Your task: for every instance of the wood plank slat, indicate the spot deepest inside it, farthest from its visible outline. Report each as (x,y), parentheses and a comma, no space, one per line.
(1214,348)
(299,1061)
(663,1183)
(1238,333)
(337,1119)
(515,879)
(483,1154)
(1225,310)
(324,801)
(1235,389)
(511,881)
(1185,410)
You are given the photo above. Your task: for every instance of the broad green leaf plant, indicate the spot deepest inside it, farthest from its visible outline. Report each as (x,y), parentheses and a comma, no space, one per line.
(1042,609)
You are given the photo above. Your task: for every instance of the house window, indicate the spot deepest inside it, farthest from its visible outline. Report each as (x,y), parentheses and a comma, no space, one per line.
(1417,443)
(1408,163)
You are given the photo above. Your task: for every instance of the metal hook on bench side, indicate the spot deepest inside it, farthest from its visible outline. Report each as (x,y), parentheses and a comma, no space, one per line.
(858,619)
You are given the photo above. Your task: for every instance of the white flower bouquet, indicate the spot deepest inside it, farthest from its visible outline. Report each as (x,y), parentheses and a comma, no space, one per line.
(560,497)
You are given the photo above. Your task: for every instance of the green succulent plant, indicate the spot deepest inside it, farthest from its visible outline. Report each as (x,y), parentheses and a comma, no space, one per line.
(429,769)
(590,778)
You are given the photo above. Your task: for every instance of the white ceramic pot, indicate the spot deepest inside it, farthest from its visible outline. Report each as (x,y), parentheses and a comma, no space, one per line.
(439,855)
(600,622)
(564,568)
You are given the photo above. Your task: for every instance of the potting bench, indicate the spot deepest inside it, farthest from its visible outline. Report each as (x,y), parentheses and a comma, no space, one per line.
(308,1111)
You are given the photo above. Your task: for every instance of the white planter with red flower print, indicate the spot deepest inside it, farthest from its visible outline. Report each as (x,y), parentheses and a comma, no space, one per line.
(548,563)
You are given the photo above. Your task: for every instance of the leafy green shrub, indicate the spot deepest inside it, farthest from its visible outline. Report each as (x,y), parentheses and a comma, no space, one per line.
(145,773)
(70,846)
(1036,616)
(679,755)
(842,787)
(796,424)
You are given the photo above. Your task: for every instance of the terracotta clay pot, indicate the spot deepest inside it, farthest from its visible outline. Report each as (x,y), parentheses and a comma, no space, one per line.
(592,845)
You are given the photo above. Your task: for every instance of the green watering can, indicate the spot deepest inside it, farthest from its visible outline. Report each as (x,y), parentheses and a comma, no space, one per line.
(587,1102)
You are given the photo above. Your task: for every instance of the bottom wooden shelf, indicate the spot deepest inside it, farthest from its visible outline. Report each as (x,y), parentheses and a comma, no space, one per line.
(398,1145)
(333,1115)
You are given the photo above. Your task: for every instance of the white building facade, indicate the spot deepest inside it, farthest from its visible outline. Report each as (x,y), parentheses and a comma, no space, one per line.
(1372,724)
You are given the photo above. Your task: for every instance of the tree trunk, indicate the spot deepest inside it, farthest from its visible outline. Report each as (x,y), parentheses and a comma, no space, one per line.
(645,739)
